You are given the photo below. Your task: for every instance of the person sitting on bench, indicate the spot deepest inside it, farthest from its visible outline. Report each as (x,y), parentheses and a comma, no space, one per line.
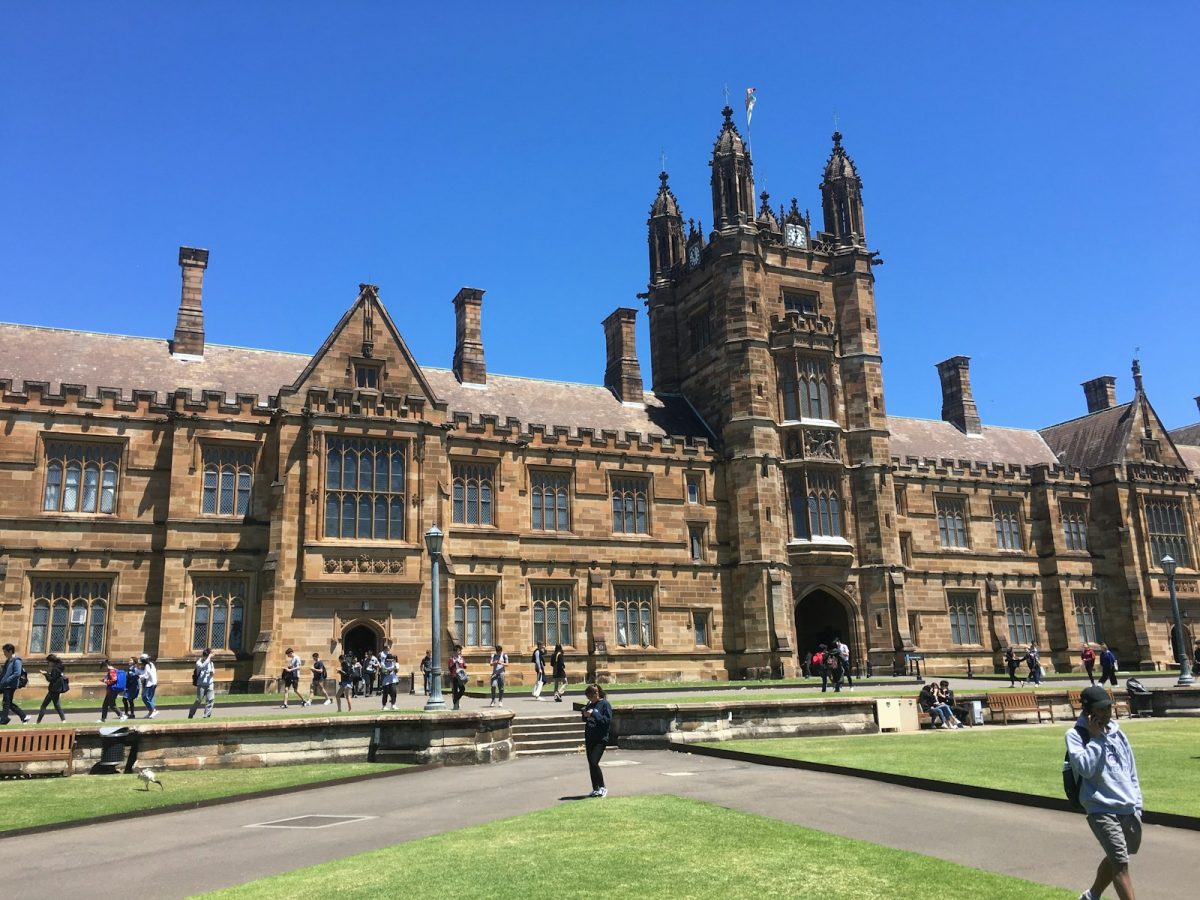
(939,713)
(946,696)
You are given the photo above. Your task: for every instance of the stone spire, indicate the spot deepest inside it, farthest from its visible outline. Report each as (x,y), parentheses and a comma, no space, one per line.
(732,178)
(665,232)
(841,197)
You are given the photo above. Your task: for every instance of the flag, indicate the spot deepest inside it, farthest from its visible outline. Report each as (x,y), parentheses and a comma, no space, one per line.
(751,98)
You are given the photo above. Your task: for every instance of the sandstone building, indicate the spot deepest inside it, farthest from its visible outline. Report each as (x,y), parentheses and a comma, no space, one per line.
(171,494)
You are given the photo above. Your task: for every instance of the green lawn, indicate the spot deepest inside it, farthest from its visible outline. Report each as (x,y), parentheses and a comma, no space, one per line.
(659,847)
(1022,758)
(43,801)
(733,694)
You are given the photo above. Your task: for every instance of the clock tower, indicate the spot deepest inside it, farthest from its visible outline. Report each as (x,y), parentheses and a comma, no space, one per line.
(769,331)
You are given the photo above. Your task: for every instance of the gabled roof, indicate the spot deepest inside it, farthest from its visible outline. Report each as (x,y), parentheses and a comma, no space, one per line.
(1097,439)
(1188,434)
(931,439)
(1190,456)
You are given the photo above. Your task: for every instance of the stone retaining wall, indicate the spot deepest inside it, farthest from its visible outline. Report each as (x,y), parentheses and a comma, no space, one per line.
(462,738)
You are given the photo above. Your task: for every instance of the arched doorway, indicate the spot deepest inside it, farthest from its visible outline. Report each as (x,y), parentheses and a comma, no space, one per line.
(360,640)
(821,617)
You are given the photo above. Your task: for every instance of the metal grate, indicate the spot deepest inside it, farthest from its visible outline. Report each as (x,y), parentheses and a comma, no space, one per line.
(310,822)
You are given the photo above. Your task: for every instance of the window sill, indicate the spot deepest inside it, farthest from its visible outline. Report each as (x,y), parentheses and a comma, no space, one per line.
(821,541)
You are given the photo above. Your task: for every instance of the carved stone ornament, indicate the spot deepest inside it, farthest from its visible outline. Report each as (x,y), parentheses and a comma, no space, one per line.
(363,565)
(821,445)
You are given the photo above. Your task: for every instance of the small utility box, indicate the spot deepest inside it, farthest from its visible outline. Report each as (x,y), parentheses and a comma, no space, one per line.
(897,714)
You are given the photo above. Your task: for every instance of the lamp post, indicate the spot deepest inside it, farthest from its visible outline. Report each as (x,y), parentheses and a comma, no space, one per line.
(1185,675)
(433,543)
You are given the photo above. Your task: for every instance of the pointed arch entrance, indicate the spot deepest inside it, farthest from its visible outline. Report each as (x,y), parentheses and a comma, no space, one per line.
(361,639)
(821,616)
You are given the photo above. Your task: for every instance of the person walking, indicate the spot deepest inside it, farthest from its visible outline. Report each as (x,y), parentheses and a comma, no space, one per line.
(319,675)
(389,675)
(1087,656)
(1109,792)
(114,686)
(844,656)
(426,670)
(291,678)
(12,679)
(597,717)
(558,665)
(1108,665)
(499,664)
(345,686)
(833,666)
(1010,665)
(360,678)
(370,675)
(149,684)
(818,664)
(56,685)
(1033,659)
(202,678)
(539,669)
(458,675)
(133,684)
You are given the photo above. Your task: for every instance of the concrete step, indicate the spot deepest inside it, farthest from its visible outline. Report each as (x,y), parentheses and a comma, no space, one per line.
(547,734)
(549,743)
(554,751)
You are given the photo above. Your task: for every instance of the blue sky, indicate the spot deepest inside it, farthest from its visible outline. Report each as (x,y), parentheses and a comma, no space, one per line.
(1029,173)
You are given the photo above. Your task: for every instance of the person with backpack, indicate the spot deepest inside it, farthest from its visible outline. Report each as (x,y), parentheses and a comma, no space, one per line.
(389,677)
(843,652)
(539,669)
(319,675)
(202,678)
(149,679)
(833,666)
(1105,772)
(368,674)
(114,687)
(1033,659)
(1087,656)
(458,675)
(597,717)
(133,681)
(558,665)
(345,686)
(1108,665)
(56,685)
(818,666)
(1011,661)
(13,677)
(499,664)
(291,678)
(426,670)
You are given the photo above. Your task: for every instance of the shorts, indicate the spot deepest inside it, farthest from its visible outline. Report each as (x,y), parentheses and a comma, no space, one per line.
(1120,836)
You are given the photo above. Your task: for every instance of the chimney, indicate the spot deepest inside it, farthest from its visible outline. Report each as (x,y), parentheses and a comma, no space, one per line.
(623,373)
(468,337)
(1101,393)
(958,406)
(189,325)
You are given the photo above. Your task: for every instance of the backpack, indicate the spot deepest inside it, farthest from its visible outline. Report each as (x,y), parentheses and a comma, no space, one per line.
(23,679)
(1070,782)
(195,675)
(119,684)
(66,684)
(818,660)
(534,658)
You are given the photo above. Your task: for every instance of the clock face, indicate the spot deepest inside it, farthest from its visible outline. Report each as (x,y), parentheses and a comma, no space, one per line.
(795,236)
(694,255)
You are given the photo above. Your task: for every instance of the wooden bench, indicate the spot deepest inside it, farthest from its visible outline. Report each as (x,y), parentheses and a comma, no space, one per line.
(1017,702)
(1074,699)
(51,745)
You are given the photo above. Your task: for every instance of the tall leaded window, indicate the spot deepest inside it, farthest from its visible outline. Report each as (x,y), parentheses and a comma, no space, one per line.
(364,489)
(952,521)
(692,483)
(1074,525)
(964,626)
(228,472)
(634,610)
(1087,618)
(69,616)
(1019,608)
(81,477)
(815,504)
(548,493)
(220,614)
(629,501)
(789,390)
(700,627)
(1006,514)
(814,388)
(473,493)
(1168,530)
(552,613)
(474,602)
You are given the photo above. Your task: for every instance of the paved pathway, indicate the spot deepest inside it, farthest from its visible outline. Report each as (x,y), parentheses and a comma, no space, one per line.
(179,854)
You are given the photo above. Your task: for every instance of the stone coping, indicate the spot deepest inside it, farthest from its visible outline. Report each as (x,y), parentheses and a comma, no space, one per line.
(450,718)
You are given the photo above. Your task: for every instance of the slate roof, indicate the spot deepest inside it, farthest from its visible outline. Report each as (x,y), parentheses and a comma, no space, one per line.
(931,439)
(1097,439)
(1191,457)
(94,360)
(1188,434)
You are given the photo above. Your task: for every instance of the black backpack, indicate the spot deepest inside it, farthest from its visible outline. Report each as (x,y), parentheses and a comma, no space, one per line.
(195,675)
(1070,782)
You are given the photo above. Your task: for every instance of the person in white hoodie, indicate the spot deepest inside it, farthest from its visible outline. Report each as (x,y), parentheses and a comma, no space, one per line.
(149,679)
(1109,792)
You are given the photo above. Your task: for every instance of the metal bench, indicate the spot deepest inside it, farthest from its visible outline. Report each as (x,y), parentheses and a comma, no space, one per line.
(50,745)
(1017,702)
(1076,703)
